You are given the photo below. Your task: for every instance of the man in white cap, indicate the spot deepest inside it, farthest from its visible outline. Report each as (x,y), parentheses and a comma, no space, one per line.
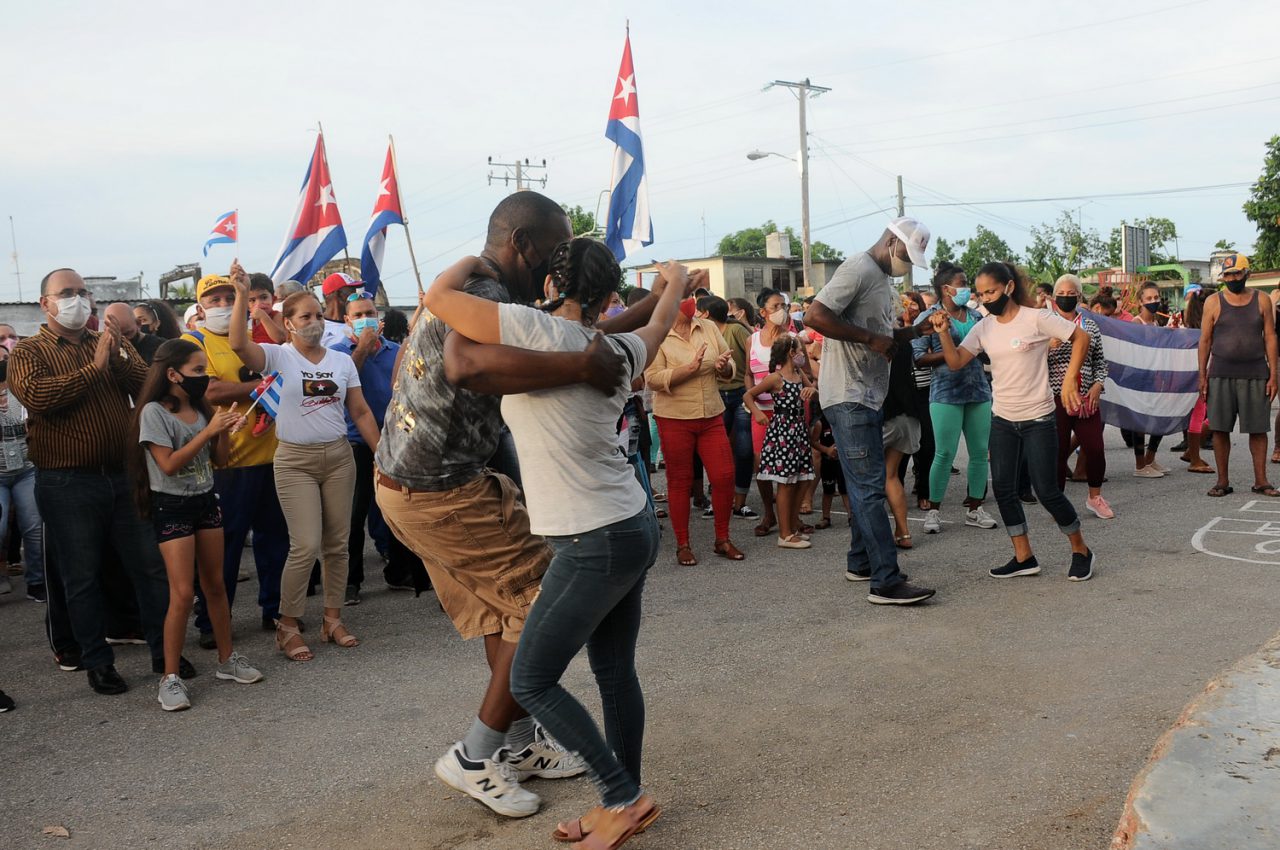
(856,312)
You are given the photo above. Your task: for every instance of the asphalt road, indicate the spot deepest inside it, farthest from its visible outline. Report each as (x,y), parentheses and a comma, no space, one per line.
(784,711)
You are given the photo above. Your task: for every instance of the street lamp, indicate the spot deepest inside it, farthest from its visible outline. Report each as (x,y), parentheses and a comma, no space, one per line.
(806,262)
(754,155)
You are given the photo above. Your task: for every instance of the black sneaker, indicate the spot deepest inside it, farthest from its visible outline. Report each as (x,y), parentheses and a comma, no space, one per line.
(185,668)
(1180,447)
(1081,566)
(68,662)
(37,593)
(709,513)
(1028,498)
(353,595)
(745,512)
(400,584)
(105,680)
(208,641)
(1029,567)
(865,575)
(901,593)
(6,703)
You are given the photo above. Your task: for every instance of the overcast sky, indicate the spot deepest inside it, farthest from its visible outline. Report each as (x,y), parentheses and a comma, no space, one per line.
(130,126)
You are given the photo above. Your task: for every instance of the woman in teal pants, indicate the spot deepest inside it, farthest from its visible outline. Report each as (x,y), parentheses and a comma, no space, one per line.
(959,403)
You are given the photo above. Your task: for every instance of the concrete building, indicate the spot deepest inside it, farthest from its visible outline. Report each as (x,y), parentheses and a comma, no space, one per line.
(744,277)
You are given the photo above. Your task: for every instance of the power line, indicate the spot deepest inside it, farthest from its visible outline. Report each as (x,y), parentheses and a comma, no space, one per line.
(1093,197)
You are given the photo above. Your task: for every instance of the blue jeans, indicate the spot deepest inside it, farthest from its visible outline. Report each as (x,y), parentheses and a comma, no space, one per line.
(737,424)
(591,595)
(247,496)
(858,433)
(87,513)
(1032,445)
(18,492)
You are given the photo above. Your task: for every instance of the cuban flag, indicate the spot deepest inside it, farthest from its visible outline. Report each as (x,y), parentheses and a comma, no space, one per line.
(267,394)
(386,212)
(316,234)
(224,230)
(1153,376)
(629,226)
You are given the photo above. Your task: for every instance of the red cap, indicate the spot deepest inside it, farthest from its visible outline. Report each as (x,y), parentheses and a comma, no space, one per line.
(336,281)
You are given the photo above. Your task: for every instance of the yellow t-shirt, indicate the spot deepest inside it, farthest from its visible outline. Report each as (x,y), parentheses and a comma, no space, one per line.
(225,365)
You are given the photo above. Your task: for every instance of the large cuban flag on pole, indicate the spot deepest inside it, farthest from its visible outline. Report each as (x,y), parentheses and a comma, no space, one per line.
(629,226)
(316,235)
(386,212)
(1153,376)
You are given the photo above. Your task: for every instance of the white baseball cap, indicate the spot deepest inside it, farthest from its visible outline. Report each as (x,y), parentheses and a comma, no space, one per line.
(916,237)
(190,314)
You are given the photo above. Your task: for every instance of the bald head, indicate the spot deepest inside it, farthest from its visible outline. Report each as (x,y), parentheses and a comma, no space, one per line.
(123,314)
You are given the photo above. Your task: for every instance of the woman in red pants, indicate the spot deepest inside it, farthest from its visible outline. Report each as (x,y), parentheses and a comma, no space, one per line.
(689,413)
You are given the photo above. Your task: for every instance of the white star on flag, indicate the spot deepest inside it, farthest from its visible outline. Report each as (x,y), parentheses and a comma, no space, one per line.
(626,88)
(229,226)
(326,198)
(384,190)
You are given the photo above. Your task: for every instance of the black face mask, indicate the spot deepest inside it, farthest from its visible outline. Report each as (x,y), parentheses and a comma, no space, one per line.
(538,275)
(4,370)
(1152,307)
(194,386)
(1235,286)
(1067,303)
(998,306)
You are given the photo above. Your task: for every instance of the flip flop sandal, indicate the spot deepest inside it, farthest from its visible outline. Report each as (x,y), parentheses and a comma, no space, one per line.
(899,542)
(612,829)
(1275,455)
(1218,492)
(1266,490)
(825,522)
(806,529)
(686,560)
(1202,468)
(660,513)
(763,530)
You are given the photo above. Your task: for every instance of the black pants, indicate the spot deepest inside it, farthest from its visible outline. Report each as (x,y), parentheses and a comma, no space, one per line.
(922,460)
(403,566)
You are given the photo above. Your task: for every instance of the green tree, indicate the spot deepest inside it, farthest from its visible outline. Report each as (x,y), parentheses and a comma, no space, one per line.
(583,222)
(182,292)
(982,248)
(1263,209)
(1224,245)
(1163,234)
(1062,246)
(751,243)
(943,252)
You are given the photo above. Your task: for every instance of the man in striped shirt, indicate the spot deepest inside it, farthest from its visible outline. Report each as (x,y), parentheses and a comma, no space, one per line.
(76,385)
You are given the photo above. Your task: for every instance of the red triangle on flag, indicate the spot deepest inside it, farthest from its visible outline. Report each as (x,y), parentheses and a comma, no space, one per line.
(320,209)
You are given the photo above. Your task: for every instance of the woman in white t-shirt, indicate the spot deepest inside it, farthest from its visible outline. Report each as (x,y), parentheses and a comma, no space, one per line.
(1015,336)
(314,469)
(584,498)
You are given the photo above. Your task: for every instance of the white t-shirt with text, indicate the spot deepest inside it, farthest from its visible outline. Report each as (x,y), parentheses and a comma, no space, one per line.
(575,474)
(313,396)
(1019,352)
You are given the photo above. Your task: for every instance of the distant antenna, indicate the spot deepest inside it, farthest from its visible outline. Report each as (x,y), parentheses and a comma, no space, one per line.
(17,271)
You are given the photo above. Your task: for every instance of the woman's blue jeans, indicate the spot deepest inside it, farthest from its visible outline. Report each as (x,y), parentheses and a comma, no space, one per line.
(591,596)
(18,492)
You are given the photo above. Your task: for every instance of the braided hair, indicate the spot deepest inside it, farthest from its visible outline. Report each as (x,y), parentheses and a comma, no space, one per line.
(943,275)
(586,271)
(780,352)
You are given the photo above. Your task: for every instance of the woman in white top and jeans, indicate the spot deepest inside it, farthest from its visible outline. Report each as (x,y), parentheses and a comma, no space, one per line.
(1015,336)
(585,500)
(314,470)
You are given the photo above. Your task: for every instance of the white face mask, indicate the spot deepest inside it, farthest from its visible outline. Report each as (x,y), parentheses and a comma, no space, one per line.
(217,319)
(897,267)
(309,334)
(779,317)
(73,312)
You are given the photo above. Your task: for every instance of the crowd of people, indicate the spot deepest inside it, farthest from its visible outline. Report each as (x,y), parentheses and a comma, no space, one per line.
(502,450)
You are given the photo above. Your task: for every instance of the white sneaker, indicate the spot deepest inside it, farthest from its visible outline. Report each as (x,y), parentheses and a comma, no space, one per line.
(932,522)
(979,518)
(1148,471)
(545,758)
(489,781)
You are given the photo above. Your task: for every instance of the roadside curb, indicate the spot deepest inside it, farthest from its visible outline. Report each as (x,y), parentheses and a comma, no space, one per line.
(1213,780)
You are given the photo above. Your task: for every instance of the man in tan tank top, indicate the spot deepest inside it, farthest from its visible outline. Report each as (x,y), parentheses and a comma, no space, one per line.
(1238,371)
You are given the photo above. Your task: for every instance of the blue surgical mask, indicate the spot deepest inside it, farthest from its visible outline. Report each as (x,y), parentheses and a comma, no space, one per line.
(962,296)
(358,326)
(615,310)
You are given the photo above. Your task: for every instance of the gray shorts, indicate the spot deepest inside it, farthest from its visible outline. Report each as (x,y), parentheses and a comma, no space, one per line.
(1245,398)
(902,433)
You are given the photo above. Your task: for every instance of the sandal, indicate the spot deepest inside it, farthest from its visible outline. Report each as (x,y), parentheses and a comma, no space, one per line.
(611,828)
(923,504)
(1219,490)
(899,542)
(329,632)
(685,557)
(659,497)
(1275,455)
(825,522)
(805,509)
(1202,467)
(285,634)
(806,529)
(576,830)
(763,529)
(726,549)
(660,513)
(1266,490)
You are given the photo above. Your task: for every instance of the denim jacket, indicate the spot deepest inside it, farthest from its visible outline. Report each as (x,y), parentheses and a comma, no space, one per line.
(969,385)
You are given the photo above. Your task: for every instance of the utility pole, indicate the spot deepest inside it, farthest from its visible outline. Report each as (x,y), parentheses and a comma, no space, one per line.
(803,91)
(17,271)
(902,210)
(522,173)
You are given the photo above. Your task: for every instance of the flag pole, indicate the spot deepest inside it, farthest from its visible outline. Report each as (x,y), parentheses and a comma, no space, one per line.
(404,218)
(325,153)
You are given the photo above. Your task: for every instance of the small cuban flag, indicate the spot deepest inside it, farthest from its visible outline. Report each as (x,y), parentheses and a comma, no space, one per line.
(386,211)
(628,227)
(224,230)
